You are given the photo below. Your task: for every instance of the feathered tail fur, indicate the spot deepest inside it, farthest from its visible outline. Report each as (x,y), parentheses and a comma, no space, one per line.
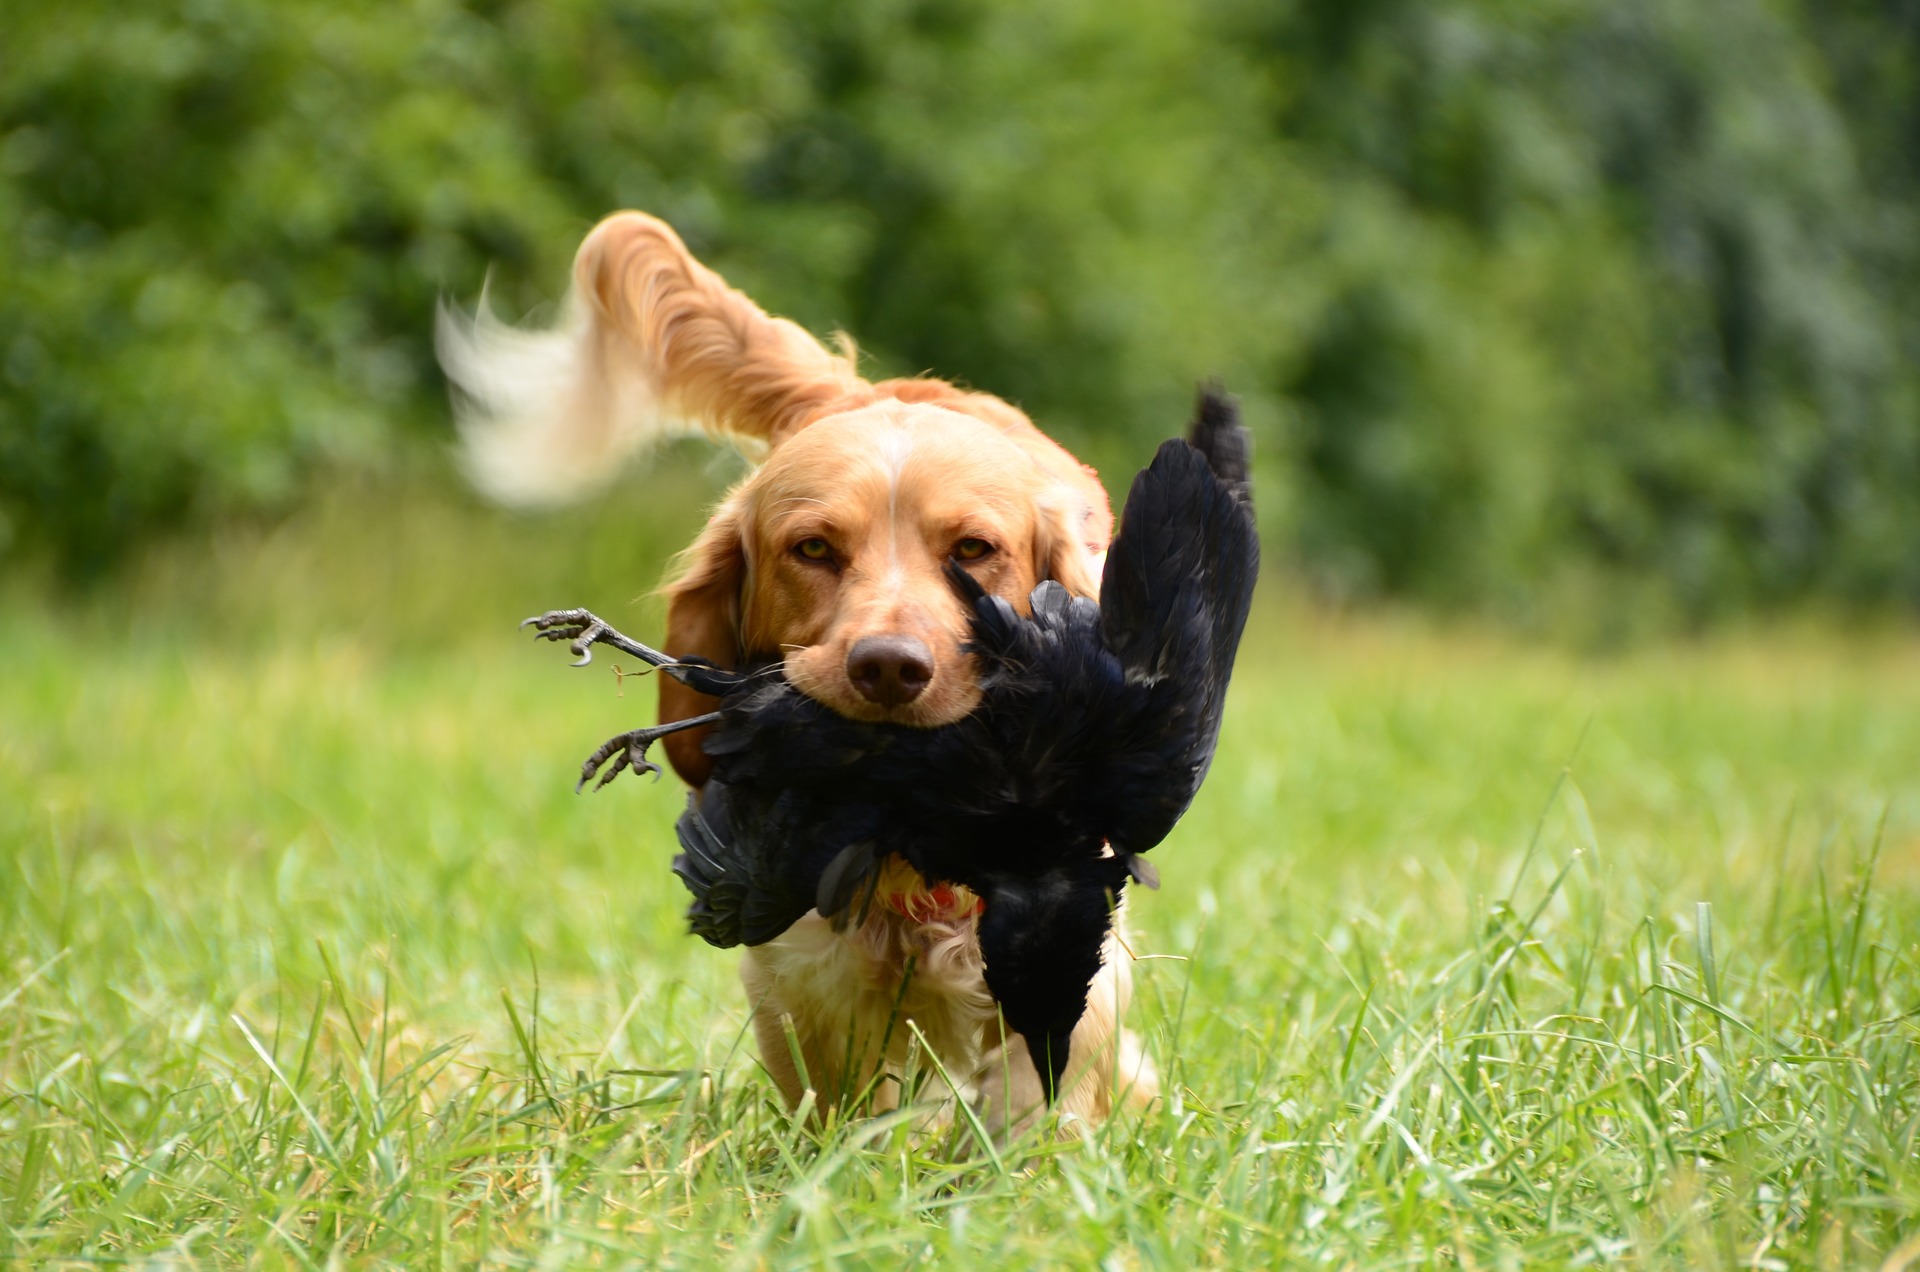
(649,342)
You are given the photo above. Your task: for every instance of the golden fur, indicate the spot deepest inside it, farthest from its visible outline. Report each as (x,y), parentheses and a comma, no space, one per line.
(864,492)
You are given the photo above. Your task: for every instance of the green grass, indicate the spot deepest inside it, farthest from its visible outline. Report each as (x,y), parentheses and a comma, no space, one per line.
(1493,954)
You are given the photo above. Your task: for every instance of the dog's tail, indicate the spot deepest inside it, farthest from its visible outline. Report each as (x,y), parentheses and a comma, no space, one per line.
(650,342)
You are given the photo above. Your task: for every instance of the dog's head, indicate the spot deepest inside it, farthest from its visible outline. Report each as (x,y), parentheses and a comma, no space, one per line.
(829,559)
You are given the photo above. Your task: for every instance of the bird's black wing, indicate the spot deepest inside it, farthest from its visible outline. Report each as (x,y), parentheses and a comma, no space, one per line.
(748,882)
(1174,600)
(756,860)
(1218,434)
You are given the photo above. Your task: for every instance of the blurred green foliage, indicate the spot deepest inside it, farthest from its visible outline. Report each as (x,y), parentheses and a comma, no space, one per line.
(1581,306)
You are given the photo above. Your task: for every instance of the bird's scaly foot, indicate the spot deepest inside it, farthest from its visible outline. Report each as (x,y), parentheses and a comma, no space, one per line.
(629,750)
(583,629)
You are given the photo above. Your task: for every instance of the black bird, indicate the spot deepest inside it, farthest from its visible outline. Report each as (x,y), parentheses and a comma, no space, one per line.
(1098,723)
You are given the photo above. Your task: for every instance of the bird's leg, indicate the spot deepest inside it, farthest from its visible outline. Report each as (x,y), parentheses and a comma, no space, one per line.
(629,750)
(583,629)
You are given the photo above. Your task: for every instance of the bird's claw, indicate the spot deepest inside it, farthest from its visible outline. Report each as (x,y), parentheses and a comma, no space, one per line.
(628,750)
(583,629)
(579,628)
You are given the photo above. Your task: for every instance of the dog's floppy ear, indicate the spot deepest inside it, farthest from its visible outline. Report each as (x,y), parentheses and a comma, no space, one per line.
(703,619)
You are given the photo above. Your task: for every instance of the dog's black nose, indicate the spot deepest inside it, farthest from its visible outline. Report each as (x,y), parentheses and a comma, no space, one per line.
(889,670)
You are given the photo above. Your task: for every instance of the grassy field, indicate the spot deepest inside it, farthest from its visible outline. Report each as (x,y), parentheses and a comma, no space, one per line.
(1470,952)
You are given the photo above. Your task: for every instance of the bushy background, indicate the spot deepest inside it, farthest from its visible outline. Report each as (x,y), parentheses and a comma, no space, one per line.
(1578,307)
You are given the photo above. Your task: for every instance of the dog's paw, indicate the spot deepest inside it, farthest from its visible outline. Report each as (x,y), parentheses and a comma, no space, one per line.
(1006,1094)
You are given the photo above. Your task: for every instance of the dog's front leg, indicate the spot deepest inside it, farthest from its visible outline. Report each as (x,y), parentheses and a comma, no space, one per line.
(819,1014)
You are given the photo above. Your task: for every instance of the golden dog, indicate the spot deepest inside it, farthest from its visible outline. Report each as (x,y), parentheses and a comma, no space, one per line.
(827,557)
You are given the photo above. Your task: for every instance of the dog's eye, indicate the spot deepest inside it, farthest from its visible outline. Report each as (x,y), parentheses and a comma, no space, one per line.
(814,549)
(972,549)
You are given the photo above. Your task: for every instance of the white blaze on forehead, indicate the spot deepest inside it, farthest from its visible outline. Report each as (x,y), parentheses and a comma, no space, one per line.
(896,445)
